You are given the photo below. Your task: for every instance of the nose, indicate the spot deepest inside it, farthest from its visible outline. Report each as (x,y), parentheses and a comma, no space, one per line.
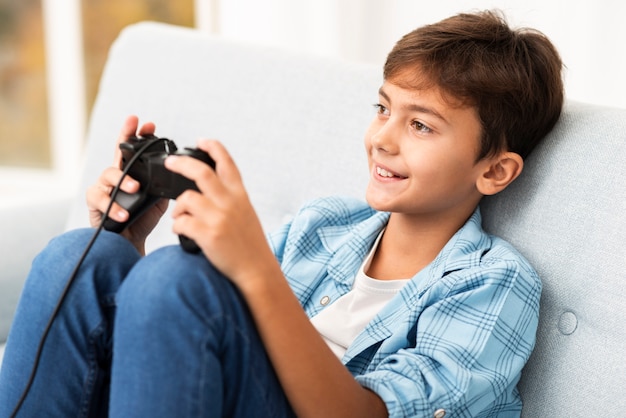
(384,138)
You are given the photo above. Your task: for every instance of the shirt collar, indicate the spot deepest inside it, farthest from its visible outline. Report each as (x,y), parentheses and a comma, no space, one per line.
(350,243)
(464,250)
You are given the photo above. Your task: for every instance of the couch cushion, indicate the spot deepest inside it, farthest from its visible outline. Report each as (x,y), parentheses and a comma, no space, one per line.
(567,215)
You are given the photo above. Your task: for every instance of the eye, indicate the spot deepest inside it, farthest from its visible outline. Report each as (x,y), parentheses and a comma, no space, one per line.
(381,109)
(420,127)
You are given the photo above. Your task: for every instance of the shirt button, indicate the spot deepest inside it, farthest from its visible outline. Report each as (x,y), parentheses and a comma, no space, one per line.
(325,300)
(439,413)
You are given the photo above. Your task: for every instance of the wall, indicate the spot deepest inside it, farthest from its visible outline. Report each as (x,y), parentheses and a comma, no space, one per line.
(589,34)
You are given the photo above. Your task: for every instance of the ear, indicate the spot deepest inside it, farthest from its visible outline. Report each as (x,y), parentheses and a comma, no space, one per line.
(499,172)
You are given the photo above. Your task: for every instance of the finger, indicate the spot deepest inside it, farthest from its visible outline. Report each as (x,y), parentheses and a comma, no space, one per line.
(147,128)
(99,194)
(224,164)
(191,203)
(201,173)
(98,200)
(129,130)
(111,176)
(226,174)
(187,217)
(188,226)
(196,226)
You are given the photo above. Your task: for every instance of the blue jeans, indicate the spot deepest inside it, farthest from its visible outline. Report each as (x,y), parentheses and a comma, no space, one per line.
(162,335)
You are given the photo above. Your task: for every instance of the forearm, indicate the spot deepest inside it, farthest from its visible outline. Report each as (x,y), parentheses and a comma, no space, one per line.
(315,381)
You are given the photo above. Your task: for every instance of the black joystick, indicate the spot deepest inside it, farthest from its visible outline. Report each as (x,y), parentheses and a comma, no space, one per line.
(156,181)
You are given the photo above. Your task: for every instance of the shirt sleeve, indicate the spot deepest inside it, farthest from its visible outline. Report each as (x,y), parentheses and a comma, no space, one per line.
(277,240)
(467,347)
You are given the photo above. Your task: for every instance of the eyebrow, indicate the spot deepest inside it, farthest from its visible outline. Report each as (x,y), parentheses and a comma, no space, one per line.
(415,107)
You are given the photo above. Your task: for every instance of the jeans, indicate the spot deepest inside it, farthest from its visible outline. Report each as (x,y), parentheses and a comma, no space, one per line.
(162,335)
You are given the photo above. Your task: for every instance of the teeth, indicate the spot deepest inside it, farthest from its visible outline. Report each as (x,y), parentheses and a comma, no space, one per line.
(383,173)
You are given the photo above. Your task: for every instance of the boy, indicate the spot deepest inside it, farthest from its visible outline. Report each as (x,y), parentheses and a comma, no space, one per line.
(399,307)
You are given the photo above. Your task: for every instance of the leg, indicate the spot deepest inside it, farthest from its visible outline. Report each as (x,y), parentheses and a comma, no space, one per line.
(72,377)
(185,345)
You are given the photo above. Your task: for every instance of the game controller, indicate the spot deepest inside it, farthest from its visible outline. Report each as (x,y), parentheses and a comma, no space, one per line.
(156,181)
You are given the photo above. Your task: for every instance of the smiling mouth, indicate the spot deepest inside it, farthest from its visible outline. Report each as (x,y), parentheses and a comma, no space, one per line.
(387,174)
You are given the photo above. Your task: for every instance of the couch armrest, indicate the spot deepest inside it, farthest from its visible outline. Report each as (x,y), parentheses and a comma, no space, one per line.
(26,225)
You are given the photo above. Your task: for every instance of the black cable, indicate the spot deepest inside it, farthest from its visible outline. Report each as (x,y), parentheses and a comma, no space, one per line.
(65,291)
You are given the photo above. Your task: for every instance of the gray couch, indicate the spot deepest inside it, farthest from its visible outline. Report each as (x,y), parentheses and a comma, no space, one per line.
(295,124)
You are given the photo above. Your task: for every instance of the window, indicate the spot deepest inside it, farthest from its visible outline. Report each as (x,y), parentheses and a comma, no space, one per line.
(23,98)
(103,20)
(49,73)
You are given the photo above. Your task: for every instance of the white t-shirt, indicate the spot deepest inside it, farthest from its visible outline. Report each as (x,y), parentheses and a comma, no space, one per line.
(341,322)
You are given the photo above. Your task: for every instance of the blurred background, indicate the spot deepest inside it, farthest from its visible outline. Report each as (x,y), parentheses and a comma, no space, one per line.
(52,54)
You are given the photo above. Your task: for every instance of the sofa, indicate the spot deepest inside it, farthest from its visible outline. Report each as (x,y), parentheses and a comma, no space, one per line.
(294,124)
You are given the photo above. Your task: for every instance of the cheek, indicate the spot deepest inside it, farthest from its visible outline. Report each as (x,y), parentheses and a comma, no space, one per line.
(457,178)
(434,170)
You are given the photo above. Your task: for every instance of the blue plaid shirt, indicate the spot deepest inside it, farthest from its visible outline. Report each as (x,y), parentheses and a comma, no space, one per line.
(454,338)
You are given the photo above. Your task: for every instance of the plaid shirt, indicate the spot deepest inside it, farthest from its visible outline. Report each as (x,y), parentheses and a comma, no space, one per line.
(454,338)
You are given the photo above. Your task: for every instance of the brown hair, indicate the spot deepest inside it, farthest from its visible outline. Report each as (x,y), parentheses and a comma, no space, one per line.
(512,77)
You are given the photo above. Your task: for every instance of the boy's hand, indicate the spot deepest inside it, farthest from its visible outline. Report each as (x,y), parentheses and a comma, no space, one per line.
(98,195)
(221,219)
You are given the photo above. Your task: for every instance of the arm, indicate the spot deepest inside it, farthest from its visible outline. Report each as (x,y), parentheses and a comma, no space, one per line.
(316,382)
(223,223)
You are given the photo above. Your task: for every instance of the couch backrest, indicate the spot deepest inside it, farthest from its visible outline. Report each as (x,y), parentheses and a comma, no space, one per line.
(294,124)
(567,215)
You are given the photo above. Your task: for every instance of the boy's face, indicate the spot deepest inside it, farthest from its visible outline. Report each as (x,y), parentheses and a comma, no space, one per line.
(422,153)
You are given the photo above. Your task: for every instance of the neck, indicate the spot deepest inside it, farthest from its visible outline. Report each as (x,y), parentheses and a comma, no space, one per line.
(411,242)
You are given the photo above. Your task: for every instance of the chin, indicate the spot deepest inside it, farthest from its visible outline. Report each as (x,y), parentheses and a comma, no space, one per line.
(377,204)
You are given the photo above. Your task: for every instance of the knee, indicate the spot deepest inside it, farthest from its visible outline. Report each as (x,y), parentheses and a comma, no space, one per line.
(65,250)
(51,279)
(111,255)
(159,279)
(167,283)
(70,243)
